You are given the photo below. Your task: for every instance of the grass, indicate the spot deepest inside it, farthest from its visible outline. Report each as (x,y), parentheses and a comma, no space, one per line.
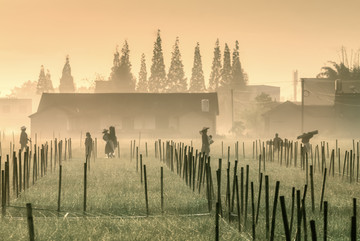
(116,202)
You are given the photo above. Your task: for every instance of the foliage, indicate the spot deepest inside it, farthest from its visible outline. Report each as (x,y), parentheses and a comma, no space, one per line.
(121,75)
(343,70)
(157,72)
(226,73)
(197,81)
(142,85)
(176,80)
(238,78)
(67,81)
(44,83)
(26,90)
(252,116)
(215,75)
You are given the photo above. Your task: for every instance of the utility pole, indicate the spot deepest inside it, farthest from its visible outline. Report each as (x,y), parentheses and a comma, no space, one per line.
(302,105)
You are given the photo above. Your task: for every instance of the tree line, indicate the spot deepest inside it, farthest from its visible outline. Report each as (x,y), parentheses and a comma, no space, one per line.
(224,72)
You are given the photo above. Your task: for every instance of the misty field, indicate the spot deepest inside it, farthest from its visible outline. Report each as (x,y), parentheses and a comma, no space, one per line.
(116,207)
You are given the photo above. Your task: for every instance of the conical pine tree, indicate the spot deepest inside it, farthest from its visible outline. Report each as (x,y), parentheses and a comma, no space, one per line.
(125,81)
(49,84)
(115,75)
(142,85)
(157,72)
(176,80)
(238,79)
(226,74)
(41,84)
(215,75)
(197,81)
(66,81)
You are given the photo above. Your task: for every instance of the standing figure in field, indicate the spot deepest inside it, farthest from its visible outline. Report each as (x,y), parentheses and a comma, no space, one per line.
(23,138)
(113,137)
(88,145)
(277,142)
(305,138)
(109,146)
(205,147)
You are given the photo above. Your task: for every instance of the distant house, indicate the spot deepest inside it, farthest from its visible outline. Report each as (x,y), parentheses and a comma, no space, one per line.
(152,114)
(347,109)
(285,119)
(322,91)
(14,113)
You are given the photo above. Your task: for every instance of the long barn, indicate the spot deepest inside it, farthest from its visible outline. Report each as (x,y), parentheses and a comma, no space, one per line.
(152,114)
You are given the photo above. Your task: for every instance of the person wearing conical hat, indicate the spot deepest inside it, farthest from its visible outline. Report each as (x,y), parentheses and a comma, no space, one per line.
(23,138)
(109,146)
(205,147)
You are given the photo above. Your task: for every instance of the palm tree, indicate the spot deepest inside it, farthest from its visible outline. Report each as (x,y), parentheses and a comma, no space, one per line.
(342,70)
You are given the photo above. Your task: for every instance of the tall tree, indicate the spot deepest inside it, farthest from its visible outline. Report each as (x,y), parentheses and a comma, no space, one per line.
(215,75)
(125,81)
(115,75)
(176,80)
(142,85)
(44,83)
(238,78)
(48,81)
(342,70)
(157,75)
(226,75)
(197,81)
(66,81)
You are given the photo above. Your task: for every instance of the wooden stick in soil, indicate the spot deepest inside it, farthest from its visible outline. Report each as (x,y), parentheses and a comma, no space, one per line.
(285,220)
(312,189)
(162,189)
(313,230)
(292,209)
(30,222)
(237,203)
(246,194)
(267,208)
(325,219)
(146,192)
(59,192)
(85,185)
(272,233)
(323,191)
(253,210)
(259,198)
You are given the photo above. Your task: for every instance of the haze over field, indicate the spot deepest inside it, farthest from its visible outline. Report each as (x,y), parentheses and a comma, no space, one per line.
(276,37)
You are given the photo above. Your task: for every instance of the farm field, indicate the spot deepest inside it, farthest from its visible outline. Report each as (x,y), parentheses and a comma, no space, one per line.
(116,207)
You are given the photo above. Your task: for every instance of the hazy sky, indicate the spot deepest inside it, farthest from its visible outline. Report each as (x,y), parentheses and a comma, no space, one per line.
(275,36)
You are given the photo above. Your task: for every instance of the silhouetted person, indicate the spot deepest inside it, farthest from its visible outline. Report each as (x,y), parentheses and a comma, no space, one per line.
(277,142)
(88,145)
(23,138)
(109,146)
(305,138)
(113,136)
(205,147)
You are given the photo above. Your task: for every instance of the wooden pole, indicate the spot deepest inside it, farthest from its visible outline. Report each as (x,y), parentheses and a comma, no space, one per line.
(30,222)
(146,192)
(272,233)
(285,220)
(162,188)
(59,193)
(85,184)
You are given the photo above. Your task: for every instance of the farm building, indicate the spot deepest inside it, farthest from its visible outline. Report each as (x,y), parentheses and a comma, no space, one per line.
(285,119)
(152,114)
